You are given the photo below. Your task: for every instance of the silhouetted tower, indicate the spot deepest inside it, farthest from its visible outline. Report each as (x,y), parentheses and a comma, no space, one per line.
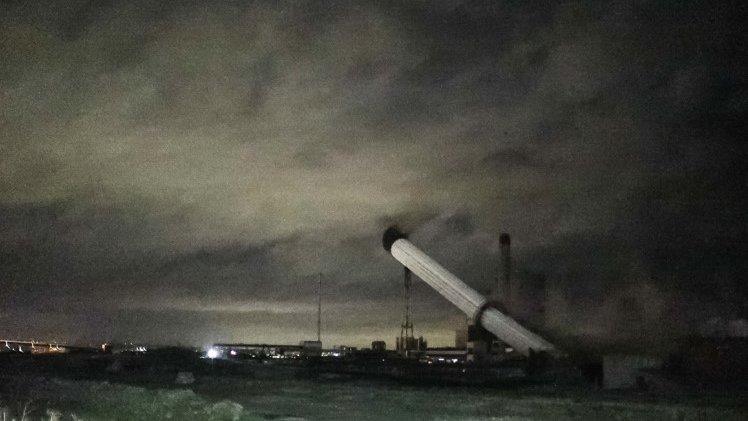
(319,309)
(406,340)
(506,272)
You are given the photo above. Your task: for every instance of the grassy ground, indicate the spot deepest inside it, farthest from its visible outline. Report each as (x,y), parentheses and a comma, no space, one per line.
(120,387)
(237,399)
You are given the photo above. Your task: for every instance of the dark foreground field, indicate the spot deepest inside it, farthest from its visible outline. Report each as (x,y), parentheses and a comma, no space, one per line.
(108,390)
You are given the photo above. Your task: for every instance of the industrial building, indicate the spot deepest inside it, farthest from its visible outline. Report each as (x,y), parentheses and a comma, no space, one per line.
(262,351)
(498,343)
(379,346)
(31,347)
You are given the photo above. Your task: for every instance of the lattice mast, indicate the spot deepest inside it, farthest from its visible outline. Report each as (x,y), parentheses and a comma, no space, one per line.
(406,329)
(319,309)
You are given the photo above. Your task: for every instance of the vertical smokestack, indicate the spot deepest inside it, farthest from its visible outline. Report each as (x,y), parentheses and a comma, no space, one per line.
(505,282)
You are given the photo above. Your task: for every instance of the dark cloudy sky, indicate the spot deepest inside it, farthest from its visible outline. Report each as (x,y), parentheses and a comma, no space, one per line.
(183,171)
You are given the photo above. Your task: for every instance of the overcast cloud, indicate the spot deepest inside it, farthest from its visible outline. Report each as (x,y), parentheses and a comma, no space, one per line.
(185,171)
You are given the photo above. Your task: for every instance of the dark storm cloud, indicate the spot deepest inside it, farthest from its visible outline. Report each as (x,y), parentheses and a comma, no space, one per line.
(196,167)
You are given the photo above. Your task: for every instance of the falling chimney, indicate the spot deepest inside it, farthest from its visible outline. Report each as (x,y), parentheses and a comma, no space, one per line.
(505,282)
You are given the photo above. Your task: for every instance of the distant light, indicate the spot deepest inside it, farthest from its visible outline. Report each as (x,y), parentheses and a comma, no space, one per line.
(213,353)
(232,352)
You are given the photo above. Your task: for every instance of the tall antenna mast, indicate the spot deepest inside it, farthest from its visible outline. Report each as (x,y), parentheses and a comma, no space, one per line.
(319,308)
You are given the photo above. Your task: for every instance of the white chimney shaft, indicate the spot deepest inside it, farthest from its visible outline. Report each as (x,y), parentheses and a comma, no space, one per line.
(460,294)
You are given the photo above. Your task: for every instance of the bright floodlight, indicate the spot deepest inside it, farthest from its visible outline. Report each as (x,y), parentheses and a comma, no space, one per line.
(213,353)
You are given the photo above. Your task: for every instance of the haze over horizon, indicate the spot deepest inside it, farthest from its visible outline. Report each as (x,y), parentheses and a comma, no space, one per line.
(183,172)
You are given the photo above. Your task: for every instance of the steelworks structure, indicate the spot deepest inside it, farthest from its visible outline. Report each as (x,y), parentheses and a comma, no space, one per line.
(470,302)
